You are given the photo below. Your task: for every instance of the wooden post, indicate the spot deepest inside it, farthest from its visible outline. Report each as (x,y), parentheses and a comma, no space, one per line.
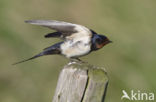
(81,82)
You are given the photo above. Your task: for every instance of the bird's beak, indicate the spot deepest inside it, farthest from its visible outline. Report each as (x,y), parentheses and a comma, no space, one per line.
(110,41)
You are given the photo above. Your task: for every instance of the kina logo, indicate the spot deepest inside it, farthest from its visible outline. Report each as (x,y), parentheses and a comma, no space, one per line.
(137,95)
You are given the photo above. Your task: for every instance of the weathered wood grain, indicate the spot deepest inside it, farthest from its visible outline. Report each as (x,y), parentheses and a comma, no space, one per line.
(81,82)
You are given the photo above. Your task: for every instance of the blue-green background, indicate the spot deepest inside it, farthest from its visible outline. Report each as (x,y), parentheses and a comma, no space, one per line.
(130,60)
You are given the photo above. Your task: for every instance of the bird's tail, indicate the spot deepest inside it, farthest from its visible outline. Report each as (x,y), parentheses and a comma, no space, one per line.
(36,56)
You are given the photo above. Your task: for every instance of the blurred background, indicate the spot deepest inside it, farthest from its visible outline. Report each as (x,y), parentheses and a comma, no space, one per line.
(130,60)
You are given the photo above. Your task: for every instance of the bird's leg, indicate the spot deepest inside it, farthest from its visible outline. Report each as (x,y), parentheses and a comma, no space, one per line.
(77,60)
(81,60)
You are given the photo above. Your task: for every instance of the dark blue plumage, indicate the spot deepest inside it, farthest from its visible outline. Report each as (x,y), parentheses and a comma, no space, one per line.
(99,40)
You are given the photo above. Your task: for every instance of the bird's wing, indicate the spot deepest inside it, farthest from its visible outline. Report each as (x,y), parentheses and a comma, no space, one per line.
(64,29)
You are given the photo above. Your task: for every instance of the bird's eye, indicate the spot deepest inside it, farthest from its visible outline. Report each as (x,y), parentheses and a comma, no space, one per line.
(99,40)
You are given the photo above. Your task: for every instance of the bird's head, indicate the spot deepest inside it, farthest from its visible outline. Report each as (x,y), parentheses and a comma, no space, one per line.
(98,41)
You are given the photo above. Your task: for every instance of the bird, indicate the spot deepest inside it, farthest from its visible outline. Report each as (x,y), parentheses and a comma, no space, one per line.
(77,40)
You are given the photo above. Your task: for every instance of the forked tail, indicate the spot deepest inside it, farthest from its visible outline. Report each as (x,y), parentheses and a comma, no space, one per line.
(54,49)
(36,56)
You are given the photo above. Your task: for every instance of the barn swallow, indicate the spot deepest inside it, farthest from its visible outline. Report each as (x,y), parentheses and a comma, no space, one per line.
(77,39)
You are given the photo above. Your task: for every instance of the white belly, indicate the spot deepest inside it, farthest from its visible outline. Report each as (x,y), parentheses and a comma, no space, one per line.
(75,49)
